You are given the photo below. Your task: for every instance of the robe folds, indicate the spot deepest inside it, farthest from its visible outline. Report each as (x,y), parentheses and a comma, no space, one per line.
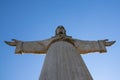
(63,62)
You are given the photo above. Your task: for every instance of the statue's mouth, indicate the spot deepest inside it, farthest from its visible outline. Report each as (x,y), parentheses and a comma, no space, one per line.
(60,32)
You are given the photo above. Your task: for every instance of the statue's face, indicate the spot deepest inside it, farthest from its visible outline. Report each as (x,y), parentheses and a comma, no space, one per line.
(60,30)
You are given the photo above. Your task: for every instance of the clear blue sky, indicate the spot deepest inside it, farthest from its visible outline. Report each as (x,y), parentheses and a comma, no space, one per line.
(30,20)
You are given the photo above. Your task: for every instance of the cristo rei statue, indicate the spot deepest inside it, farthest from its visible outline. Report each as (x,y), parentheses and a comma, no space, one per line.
(63,59)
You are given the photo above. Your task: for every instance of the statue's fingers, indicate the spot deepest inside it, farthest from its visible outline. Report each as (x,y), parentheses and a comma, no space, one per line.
(10,43)
(14,40)
(110,43)
(106,40)
(6,42)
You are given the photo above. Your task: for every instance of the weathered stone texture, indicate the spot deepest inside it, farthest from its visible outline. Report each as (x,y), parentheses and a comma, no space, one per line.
(63,62)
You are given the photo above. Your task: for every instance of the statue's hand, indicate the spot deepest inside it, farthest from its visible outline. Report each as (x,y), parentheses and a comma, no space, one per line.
(13,43)
(108,43)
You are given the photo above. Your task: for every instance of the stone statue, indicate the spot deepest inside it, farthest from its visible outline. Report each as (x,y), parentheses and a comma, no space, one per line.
(63,60)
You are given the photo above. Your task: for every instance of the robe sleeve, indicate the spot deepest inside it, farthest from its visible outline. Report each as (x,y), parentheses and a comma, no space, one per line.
(36,47)
(89,46)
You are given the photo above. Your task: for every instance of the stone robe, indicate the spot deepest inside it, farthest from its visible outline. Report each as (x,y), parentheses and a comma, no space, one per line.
(63,60)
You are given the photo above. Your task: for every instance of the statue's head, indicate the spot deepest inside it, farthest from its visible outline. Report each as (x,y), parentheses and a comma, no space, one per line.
(60,30)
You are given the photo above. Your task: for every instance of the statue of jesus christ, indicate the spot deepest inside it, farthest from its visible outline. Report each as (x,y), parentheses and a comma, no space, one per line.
(63,60)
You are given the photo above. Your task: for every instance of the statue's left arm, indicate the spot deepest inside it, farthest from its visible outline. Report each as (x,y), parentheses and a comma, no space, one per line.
(92,46)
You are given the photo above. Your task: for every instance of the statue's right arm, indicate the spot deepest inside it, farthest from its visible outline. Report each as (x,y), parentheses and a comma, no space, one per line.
(36,47)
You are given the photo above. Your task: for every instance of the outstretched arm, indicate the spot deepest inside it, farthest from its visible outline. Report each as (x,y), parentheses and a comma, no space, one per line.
(29,46)
(92,46)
